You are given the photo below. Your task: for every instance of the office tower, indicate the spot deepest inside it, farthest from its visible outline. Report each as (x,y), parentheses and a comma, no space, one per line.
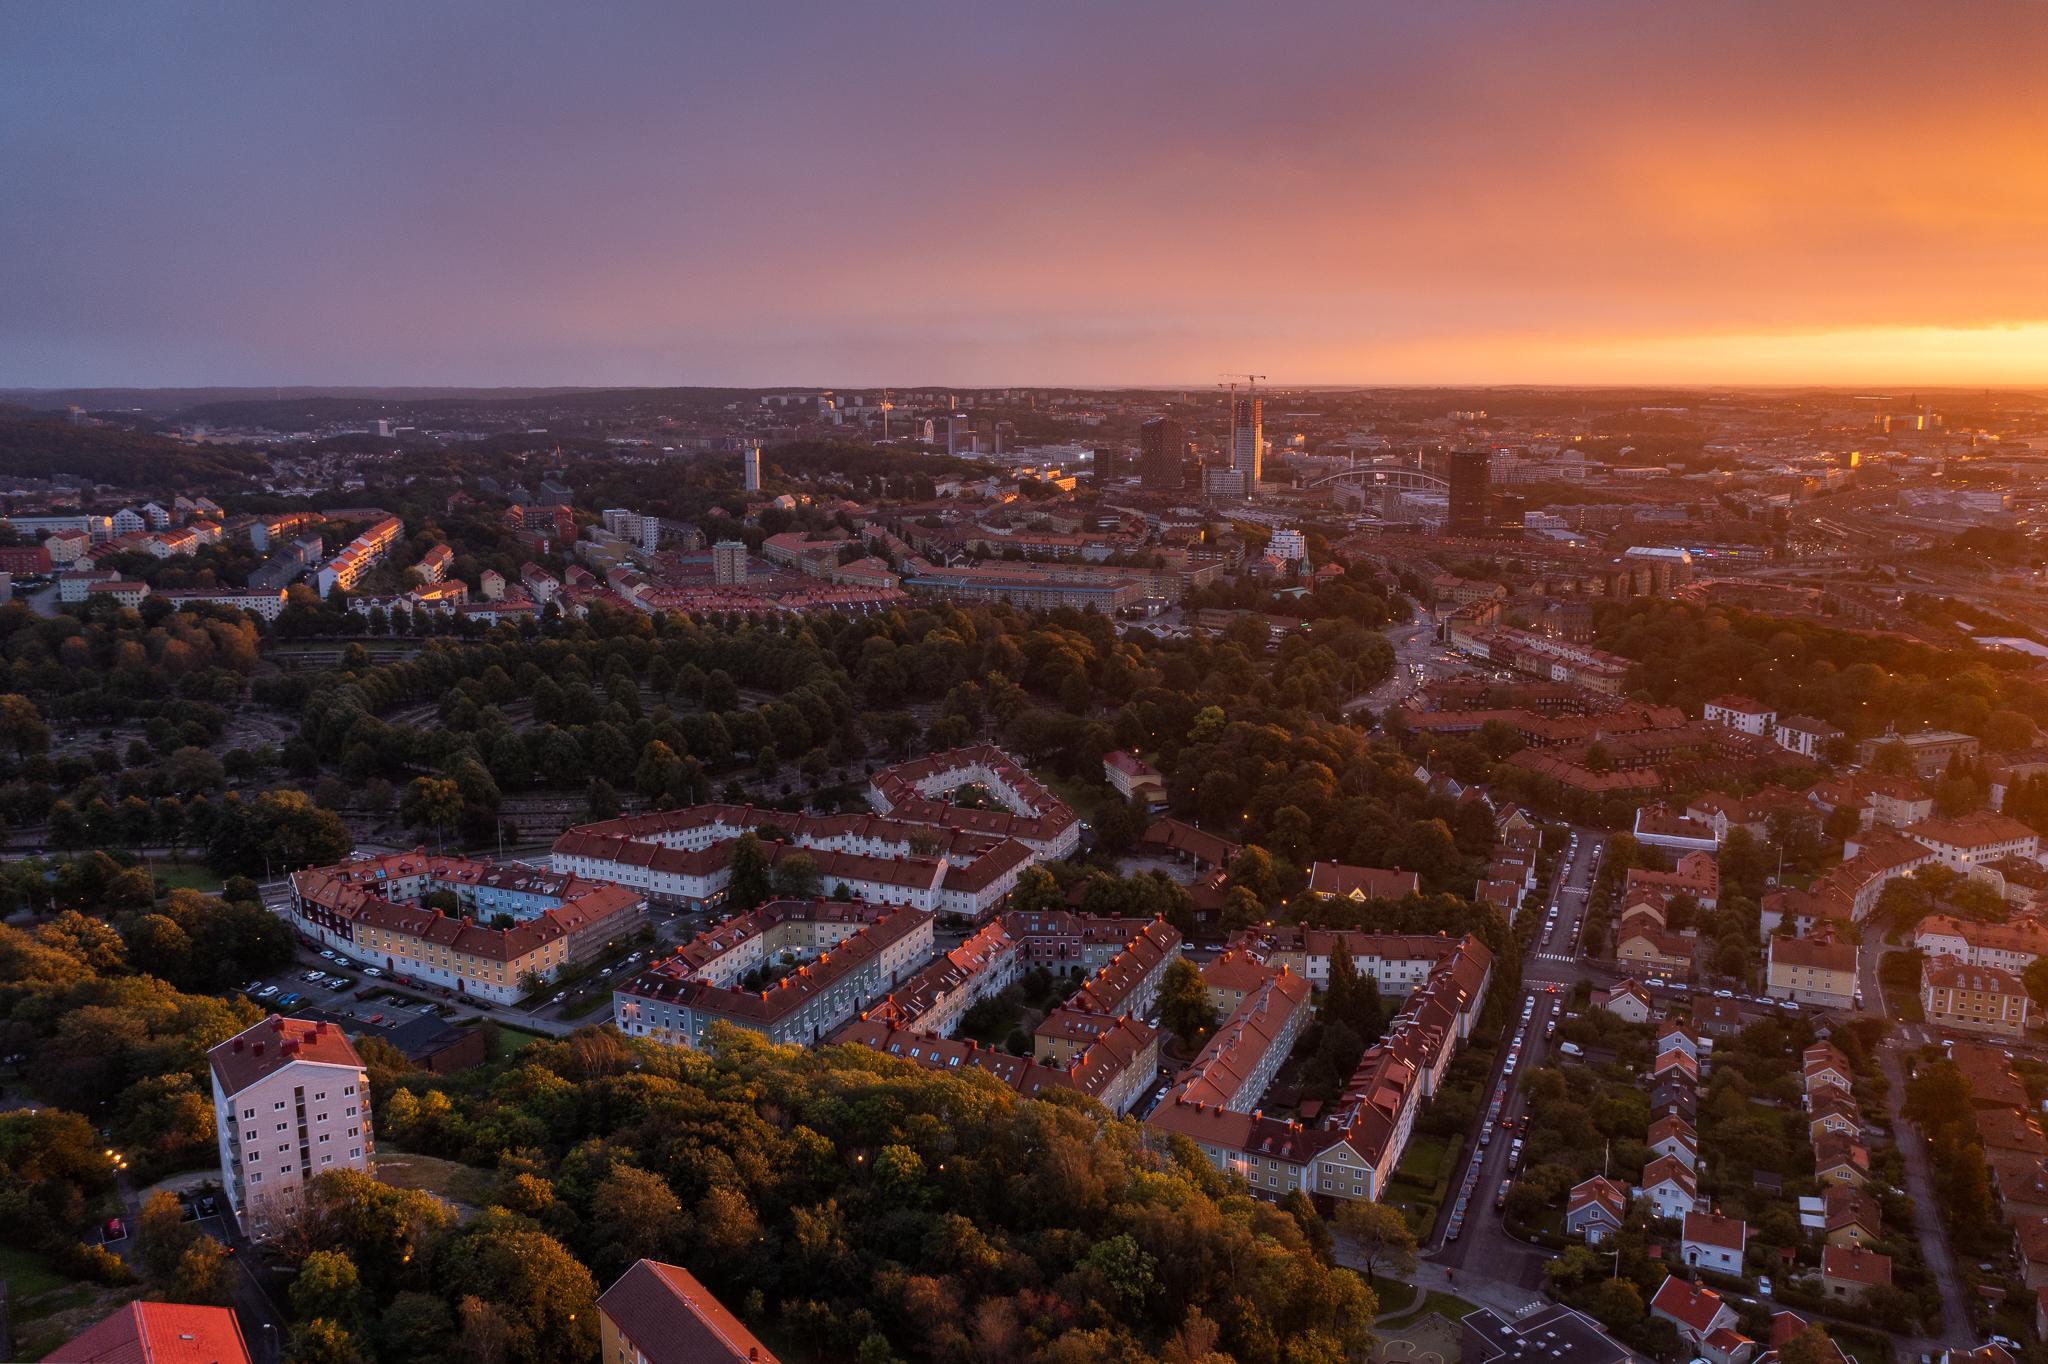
(1162,454)
(1510,514)
(728,563)
(959,433)
(1288,544)
(290,1102)
(753,468)
(1471,485)
(1248,438)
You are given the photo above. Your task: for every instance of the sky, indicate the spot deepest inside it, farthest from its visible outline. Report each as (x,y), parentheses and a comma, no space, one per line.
(1118,192)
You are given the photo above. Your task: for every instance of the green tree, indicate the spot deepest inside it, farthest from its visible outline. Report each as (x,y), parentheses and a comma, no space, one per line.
(327,1285)
(1184,1005)
(1380,1237)
(796,876)
(321,1340)
(748,883)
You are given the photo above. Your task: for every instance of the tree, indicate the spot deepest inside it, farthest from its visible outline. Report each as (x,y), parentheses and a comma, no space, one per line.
(328,1286)
(321,1340)
(546,1299)
(2035,978)
(1810,1346)
(1381,1236)
(747,884)
(1184,1005)
(432,803)
(637,1211)
(202,1275)
(796,876)
(21,725)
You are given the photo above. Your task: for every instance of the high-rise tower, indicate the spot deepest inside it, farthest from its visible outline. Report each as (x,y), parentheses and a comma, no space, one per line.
(1471,487)
(1248,438)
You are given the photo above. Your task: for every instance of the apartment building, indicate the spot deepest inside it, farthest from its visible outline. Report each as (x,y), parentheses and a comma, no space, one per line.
(2009,947)
(290,1103)
(1815,970)
(1975,840)
(359,556)
(513,924)
(1974,998)
(267,605)
(819,962)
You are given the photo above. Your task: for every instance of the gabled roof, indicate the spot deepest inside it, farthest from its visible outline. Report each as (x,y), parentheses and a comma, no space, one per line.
(673,1319)
(1598,1192)
(1854,1264)
(157,1333)
(1693,1307)
(1712,1229)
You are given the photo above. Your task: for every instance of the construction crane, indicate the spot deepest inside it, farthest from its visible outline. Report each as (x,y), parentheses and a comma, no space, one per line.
(887,408)
(1251,382)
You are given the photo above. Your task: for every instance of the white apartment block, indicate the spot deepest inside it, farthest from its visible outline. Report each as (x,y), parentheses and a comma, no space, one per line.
(290,1103)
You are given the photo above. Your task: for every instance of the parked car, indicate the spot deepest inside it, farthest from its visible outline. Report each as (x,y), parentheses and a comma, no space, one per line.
(267,992)
(209,1206)
(114,1230)
(373,970)
(329,954)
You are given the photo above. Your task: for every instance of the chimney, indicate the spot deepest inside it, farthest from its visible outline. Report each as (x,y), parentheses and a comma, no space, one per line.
(258,1048)
(238,1044)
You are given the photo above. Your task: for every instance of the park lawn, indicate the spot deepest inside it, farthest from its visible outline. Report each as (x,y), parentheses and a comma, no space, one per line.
(458,1183)
(1449,1306)
(186,876)
(512,1041)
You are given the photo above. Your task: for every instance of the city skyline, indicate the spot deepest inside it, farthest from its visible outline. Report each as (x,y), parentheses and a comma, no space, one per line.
(1582,194)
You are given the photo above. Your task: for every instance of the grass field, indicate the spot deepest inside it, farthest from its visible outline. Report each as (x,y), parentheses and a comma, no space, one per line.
(1446,1305)
(512,1041)
(45,1308)
(452,1180)
(186,876)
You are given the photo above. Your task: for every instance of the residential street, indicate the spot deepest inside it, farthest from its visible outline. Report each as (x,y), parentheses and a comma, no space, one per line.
(1933,1237)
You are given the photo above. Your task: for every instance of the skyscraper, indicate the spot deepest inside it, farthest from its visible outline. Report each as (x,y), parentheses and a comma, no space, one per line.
(1162,454)
(753,468)
(1248,438)
(1471,485)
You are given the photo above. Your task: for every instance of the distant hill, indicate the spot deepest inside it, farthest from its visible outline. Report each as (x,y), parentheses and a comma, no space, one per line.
(43,445)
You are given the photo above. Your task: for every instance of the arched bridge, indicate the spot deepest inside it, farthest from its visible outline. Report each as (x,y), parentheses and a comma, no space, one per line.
(1384,477)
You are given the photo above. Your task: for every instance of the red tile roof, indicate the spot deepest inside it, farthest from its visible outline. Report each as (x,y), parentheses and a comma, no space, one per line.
(672,1319)
(157,1333)
(275,1043)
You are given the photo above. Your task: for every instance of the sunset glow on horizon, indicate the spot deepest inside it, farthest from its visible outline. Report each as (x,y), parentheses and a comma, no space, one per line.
(1574,193)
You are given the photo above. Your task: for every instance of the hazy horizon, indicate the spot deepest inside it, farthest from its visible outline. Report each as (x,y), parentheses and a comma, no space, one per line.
(469,195)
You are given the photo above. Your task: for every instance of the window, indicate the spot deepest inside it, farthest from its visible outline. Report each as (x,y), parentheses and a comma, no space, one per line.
(248,1112)
(255,1179)
(280,1127)
(277,1107)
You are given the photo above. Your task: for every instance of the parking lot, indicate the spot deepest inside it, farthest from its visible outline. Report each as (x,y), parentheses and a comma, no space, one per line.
(337,985)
